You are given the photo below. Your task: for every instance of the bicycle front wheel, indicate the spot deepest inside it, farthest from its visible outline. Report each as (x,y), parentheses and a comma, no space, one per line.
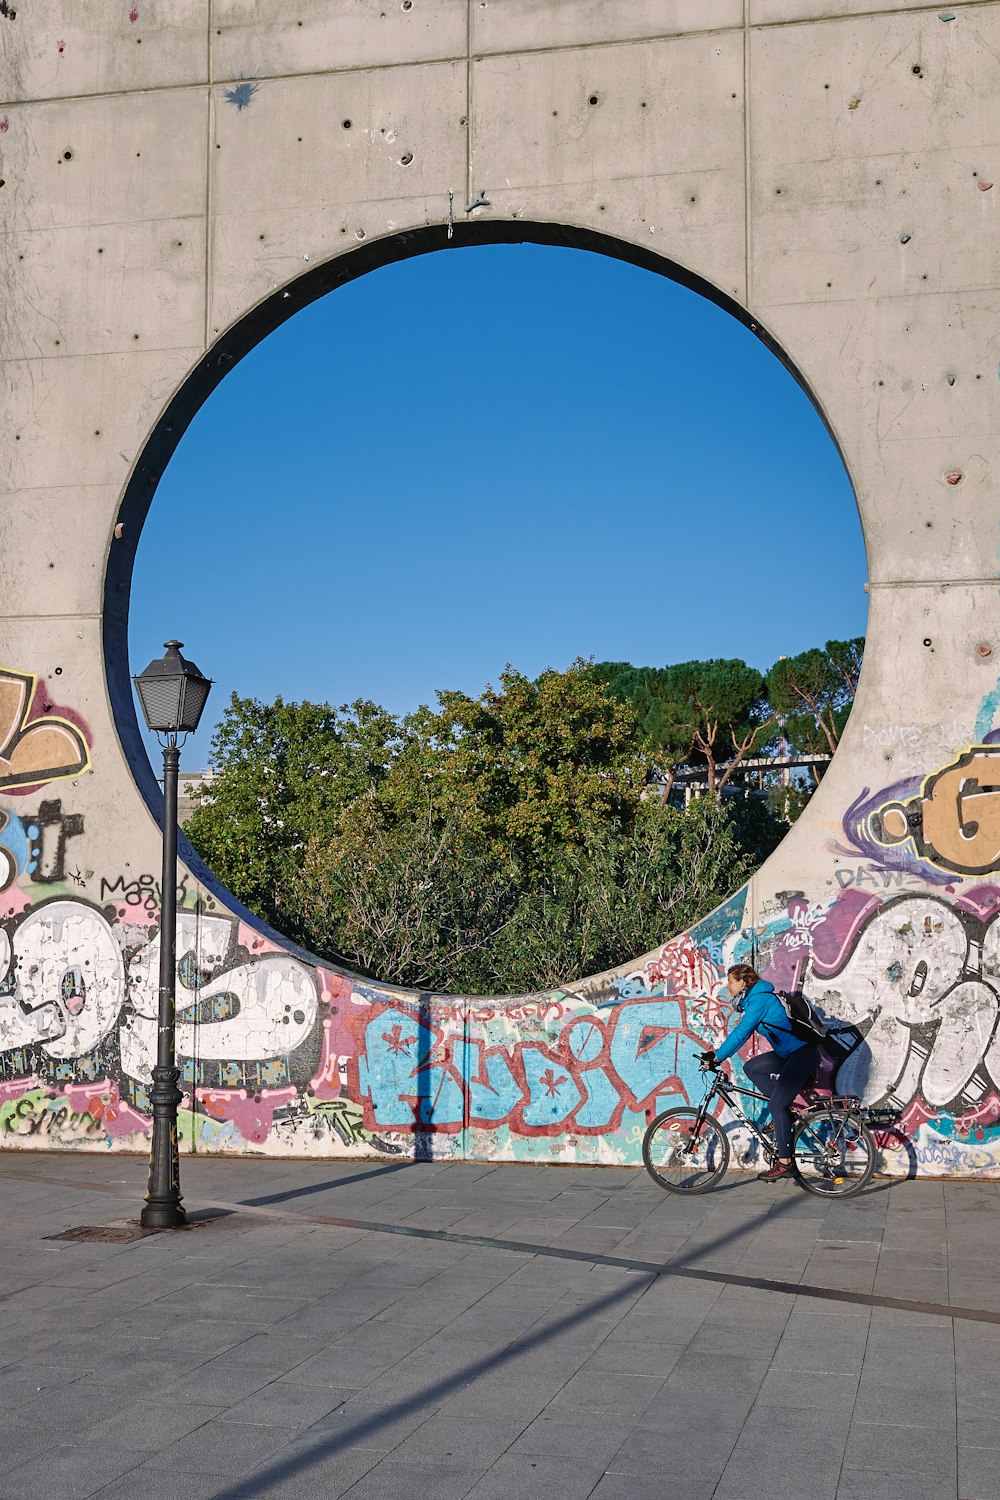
(833,1152)
(685,1152)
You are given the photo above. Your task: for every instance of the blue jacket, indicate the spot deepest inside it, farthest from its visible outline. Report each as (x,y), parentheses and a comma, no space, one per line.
(764,1012)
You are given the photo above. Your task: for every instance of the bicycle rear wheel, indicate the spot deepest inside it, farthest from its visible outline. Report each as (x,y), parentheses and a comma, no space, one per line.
(833,1152)
(684,1155)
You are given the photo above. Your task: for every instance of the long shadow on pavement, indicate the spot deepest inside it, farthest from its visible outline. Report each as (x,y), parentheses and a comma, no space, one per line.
(436,1393)
(431,1395)
(322,1187)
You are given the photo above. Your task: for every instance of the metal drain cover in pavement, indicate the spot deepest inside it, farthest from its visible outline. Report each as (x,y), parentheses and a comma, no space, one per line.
(104,1234)
(123,1234)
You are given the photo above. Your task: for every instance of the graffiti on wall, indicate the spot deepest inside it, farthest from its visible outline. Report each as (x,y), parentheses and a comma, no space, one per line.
(935,827)
(37,744)
(78,1003)
(432,1068)
(918,976)
(280,1054)
(954,822)
(36,848)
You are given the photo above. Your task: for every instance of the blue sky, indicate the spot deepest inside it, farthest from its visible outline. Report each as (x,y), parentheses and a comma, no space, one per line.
(493,454)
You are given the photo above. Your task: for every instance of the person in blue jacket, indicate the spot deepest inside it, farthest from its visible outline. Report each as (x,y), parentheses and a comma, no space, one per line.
(778,1074)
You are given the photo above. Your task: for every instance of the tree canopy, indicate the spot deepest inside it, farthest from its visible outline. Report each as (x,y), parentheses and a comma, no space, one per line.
(284,774)
(813,693)
(506,842)
(703,711)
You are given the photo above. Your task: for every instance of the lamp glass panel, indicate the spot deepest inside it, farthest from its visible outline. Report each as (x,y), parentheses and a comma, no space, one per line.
(161,701)
(196,690)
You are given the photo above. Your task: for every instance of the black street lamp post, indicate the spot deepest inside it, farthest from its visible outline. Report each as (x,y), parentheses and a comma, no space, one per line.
(173,693)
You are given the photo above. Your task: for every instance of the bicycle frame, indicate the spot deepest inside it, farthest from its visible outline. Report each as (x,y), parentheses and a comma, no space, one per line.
(725,1089)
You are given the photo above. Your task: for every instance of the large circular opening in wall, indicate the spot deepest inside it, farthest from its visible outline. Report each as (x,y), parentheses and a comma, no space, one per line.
(571,545)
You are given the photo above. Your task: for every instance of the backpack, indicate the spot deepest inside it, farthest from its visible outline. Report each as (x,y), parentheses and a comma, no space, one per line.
(805,1022)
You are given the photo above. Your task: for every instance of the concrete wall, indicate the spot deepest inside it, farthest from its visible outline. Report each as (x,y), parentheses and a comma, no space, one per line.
(169,174)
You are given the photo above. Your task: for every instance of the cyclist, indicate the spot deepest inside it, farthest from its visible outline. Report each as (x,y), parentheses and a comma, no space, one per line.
(778,1074)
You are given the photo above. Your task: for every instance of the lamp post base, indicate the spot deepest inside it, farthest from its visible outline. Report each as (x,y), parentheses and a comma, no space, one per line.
(163,1208)
(163,1216)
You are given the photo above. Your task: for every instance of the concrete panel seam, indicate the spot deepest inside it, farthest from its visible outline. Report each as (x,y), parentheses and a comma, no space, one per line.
(46,100)
(178,88)
(209,168)
(483,53)
(932,583)
(882,11)
(469,84)
(607,44)
(747,214)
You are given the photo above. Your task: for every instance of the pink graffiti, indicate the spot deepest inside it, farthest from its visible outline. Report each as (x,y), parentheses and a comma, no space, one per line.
(253,1115)
(103,1101)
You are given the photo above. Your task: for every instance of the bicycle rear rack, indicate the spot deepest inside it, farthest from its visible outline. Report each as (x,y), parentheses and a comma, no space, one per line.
(882,1117)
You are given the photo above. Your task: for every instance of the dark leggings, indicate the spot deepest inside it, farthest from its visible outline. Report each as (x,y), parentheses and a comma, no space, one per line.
(780,1079)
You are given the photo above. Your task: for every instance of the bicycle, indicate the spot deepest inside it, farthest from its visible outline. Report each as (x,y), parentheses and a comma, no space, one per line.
(833,1154)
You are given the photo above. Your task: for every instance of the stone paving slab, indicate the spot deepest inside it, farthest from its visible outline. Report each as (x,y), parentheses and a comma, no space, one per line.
(271,1351)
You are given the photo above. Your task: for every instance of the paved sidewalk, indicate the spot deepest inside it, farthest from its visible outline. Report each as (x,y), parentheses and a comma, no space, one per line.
(271,1351)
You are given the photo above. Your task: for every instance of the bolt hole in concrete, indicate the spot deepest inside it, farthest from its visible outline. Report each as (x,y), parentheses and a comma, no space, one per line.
(401,526)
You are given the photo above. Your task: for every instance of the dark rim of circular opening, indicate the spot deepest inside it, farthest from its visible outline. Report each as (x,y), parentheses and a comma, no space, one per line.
(238,341)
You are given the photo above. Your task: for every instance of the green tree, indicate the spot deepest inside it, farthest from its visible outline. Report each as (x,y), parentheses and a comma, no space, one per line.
(414,899)
(713,712)
(488,845)
(727,708)
(426,904)
(528,766)
(814,692)
(623,893)
(284,773)
(663,718)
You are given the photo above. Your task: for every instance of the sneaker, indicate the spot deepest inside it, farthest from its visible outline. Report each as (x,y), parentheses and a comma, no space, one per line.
(776,1171)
